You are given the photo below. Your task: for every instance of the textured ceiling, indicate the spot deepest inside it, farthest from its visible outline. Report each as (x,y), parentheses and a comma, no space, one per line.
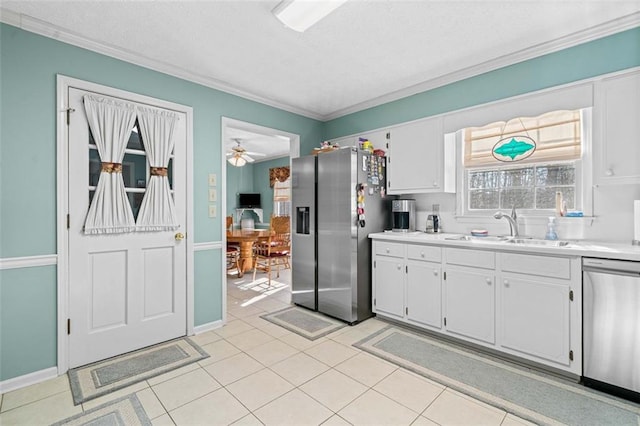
(361,54)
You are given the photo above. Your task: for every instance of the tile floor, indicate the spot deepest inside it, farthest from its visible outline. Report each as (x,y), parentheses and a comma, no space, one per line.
(259,373)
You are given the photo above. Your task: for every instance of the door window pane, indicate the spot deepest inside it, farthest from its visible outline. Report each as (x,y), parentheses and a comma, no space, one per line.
(170,173)
(135,140)
(134,170)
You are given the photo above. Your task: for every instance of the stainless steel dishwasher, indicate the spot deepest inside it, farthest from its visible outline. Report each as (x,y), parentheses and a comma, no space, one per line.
(611,326)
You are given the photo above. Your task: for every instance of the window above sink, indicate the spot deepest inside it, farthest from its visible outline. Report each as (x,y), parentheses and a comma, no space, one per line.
(523,162)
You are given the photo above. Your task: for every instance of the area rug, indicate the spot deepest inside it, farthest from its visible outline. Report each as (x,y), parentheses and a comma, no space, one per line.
(125,411)
(304,322)
(540,398)
(100,378)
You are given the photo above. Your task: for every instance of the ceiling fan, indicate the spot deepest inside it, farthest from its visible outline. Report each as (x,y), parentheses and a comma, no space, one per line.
(238,156)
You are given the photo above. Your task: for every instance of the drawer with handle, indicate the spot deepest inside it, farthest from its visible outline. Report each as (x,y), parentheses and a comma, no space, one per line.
(383,248)
(424,252)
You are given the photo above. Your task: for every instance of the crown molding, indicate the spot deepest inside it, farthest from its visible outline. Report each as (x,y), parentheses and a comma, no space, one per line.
(46,29)
(49,30)
(608,28)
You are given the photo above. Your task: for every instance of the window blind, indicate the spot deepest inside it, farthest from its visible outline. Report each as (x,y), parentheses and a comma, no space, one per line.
(557,136)
(282,190)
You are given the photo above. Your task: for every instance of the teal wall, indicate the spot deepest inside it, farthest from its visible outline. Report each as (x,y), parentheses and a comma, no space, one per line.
(252,178)
(239,179)
(28,320)
(609,54)
(28,67)
(207,303)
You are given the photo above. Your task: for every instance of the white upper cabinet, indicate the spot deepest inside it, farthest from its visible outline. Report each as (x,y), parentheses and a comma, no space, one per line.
(416,158)
(616,129)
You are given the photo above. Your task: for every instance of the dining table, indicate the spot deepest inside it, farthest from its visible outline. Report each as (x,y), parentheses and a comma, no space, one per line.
(246,238)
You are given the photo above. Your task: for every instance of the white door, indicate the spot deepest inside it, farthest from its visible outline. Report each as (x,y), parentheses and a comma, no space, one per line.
(126,291)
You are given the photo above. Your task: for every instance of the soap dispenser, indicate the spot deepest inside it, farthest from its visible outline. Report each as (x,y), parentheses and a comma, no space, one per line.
(551,229)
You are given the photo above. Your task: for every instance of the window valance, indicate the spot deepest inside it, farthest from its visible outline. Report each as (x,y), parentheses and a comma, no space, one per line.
(279,174)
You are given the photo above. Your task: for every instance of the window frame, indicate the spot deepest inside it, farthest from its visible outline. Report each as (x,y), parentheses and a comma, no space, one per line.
(583,173)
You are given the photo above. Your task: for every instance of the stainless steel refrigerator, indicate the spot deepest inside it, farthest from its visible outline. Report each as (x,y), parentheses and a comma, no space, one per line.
(337,200)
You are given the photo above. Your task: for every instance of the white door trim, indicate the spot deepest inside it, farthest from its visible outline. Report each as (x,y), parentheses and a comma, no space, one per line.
(63,83)
(294,152)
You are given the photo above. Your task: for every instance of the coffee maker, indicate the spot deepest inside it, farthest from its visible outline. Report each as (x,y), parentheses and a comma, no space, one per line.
(404,215)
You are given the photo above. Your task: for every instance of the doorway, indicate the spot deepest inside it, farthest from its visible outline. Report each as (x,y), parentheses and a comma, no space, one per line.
(250,137)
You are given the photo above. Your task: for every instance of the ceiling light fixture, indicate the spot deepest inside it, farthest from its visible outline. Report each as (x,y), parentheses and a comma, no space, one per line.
(299,15)
(237,161)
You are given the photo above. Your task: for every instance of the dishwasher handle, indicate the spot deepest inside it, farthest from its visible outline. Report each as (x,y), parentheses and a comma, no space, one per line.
(622,267)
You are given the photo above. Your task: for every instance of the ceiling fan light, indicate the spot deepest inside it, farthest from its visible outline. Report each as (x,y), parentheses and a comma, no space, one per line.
(237,161)
(299,15)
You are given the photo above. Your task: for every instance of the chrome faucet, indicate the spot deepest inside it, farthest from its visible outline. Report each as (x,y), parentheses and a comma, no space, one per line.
(513,221)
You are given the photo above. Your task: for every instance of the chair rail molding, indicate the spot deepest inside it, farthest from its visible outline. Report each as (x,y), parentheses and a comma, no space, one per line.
(28,261)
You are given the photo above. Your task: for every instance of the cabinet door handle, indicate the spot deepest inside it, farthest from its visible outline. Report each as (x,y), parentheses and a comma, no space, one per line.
(489,281)
(388,250)
(399,266)
(506,283)
(422,254)
(435,272)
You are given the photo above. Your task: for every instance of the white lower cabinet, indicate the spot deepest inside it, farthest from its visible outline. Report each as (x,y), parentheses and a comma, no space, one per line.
(424,293)
(469,282)
(389,287)
(524,305)
(470,308)
(388,278)
(537,298)
(534,317)
(424,286)
(408,287)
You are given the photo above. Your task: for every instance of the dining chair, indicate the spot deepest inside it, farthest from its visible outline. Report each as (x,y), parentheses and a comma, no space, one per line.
(276,250)
(233,250)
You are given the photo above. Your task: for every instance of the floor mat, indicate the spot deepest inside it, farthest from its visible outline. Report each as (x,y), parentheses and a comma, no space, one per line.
(309,324)
(524,392)
(100,378)
(123,411)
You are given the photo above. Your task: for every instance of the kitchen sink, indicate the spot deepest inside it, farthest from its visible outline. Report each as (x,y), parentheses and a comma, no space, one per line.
(526,241)
(478,239)
(535,242)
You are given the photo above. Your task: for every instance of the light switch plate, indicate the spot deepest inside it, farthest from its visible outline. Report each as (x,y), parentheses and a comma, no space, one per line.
(213,211)
(213,179)
(213,195)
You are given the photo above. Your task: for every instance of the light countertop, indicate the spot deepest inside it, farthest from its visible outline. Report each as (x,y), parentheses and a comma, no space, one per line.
(584,248)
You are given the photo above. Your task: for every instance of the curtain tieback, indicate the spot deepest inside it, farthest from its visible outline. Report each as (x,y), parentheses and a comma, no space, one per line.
(158,171)
(112,167)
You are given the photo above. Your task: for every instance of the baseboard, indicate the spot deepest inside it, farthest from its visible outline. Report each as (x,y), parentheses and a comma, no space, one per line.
(28,379)
(207,327)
